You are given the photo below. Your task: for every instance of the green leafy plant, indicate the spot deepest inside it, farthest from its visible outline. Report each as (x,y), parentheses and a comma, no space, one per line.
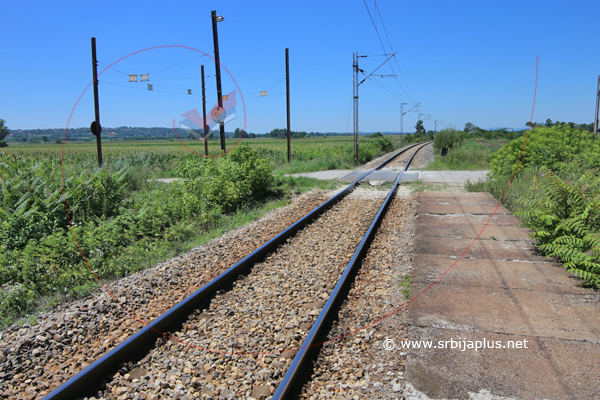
(566,223)
(404,285)
(225,182)
(449,137)
(32,198)
(555,147)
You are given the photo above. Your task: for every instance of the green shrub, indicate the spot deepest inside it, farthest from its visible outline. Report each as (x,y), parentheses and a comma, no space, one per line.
(566,223)
(225,182)
(555,148)
(32,198)
(449,137)
(369,150)
(15,300)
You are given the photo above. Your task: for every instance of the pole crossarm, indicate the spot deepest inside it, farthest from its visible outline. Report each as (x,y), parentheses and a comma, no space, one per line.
(413,108)
(375,68)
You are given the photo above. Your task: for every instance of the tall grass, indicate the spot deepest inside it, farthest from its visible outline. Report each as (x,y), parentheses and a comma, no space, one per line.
(473,154)
(524,186)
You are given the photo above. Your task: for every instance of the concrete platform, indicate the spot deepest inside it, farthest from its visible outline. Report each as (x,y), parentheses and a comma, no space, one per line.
(486,296)
(330,175)
(454,178)
(381,176)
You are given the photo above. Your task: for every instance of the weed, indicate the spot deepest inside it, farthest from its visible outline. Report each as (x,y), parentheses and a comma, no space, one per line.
(404,286)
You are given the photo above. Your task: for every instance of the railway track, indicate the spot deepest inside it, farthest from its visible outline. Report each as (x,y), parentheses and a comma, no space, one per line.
(270,309)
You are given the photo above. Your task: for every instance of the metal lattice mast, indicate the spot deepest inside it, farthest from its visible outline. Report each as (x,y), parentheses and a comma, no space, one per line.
(355,96)
(402,117)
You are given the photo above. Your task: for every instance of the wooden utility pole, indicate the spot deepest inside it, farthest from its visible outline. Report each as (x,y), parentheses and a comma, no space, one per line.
(204,127)
(287,94)
(96,128)
(597,106)
(216,19)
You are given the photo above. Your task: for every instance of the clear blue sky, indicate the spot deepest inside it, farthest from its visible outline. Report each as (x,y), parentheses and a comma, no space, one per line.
(465,61)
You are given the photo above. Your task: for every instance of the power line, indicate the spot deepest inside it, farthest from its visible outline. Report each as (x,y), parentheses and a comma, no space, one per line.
(173,79)
(113,68)
(171,66)
(389,90)
(392,50)
(408,93)
(252,91)
(375,69)
(145,89)
(256,97)
(375,26)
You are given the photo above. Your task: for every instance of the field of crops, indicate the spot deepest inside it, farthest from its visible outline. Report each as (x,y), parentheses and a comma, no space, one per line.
(160,152)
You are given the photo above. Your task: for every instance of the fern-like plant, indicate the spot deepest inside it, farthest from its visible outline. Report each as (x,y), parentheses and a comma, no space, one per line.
(566,223)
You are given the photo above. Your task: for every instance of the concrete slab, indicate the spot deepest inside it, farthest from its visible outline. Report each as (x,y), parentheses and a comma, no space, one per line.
(464,231)
(385,176)
(540,276)
(460,209)
(475,203)
(509,311)
(548,368)
(424,196)
(486,296)
(452,177)
(329,175)
(456,178)
(494,249)
(471,200)
(466,219)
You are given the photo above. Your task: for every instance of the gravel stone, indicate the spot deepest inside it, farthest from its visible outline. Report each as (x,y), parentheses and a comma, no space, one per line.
(84,330)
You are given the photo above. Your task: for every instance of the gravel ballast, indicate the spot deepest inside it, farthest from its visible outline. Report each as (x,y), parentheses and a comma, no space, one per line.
(241,346)
(355,363)
(36,359)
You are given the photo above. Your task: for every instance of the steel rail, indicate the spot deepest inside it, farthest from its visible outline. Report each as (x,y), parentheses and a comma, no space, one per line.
(87,382)
(293,380)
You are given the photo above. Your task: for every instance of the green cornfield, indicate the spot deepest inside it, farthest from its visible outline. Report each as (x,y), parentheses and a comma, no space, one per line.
(165,154)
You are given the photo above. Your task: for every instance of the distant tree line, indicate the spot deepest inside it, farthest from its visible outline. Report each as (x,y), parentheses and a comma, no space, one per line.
(119,133)
(584,127)
(502,133)
(133,133)
(282,134)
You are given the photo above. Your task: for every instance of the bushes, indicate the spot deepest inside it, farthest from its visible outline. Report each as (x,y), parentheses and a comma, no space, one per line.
(225,182)
(449,137)
(556,147)
(369,150)
(32,202)
(118,231)
(566,223)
